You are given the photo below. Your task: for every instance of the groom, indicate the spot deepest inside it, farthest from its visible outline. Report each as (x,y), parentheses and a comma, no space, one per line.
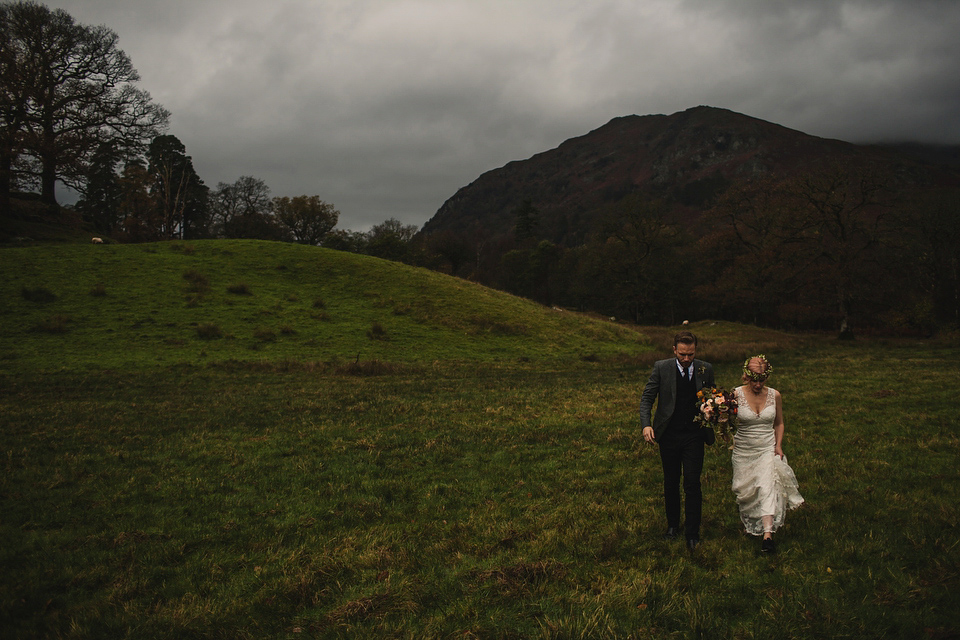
(674,384)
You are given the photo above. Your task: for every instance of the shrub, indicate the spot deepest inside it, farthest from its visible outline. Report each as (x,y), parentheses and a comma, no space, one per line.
(287,330)
(186,249)
(198,283)
(319,303)
(98,290)
(264,335)
(56,323)
(377,332)
(240,289)
(39,294)
(209,331)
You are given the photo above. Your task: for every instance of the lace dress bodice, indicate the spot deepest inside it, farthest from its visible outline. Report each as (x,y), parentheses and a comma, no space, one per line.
(755,429)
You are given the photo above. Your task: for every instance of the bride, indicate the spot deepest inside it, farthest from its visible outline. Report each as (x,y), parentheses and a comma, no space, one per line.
(763,482)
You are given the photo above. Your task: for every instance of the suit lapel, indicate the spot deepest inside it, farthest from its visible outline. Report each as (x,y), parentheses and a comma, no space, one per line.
(671,380)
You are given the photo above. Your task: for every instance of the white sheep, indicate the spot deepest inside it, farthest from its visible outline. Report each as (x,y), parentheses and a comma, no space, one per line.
(96,240)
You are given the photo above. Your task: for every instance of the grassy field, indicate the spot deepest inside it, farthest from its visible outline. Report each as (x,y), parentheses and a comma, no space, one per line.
(120,306)
(468,481)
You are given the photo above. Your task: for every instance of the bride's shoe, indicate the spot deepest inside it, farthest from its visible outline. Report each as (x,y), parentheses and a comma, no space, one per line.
(767,546)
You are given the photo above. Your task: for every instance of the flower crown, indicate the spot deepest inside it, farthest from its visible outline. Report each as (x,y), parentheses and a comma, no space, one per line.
(753,375)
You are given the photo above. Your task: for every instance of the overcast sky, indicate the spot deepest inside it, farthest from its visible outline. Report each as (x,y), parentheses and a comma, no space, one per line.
(386,107)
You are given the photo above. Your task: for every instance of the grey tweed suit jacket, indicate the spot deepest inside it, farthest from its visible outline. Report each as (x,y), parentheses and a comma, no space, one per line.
(662,389)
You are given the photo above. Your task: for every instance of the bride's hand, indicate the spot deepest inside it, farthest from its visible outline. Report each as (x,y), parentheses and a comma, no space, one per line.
(778,451)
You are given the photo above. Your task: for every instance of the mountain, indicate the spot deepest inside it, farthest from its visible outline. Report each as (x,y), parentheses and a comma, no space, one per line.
(685,160)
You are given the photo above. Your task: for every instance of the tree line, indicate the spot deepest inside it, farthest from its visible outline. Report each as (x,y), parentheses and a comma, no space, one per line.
(842,248)
(71,112)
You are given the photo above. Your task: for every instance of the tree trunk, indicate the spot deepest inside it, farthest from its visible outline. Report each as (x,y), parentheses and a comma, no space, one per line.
(6,166)
(48,181)
(846,331)
(48,155)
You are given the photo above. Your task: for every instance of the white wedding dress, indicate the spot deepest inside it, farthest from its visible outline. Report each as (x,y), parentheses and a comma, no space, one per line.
(763,483)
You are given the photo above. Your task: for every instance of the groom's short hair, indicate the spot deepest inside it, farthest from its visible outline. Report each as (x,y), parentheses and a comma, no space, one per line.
(684,337)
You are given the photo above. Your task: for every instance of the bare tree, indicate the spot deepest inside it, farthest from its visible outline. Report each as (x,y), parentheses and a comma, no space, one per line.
(244,209)
(308,218)
(762,247)
(847,210)
(632,241)
(67,89)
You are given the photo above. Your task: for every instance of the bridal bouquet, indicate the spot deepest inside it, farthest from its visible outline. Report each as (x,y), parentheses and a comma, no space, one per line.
(718,410)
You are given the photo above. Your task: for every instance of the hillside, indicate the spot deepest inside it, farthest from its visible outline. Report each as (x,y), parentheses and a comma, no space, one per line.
(120,306)
(685,160)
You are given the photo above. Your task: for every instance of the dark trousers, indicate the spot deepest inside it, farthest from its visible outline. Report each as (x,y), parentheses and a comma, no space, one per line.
(683,456)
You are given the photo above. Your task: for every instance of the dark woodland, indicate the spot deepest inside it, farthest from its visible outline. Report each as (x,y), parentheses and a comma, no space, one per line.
(713,214)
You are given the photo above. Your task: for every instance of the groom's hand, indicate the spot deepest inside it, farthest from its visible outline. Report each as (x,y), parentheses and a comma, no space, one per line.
(648,435)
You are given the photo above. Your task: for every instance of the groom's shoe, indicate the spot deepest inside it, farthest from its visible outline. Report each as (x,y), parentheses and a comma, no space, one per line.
(671,533)
(692,544)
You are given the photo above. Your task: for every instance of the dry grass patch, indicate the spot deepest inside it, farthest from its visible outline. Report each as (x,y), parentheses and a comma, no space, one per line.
(37,294)
(240,289)
(209,331)
(57,323)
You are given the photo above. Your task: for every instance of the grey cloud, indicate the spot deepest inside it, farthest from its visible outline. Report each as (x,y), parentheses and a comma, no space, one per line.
(387,107)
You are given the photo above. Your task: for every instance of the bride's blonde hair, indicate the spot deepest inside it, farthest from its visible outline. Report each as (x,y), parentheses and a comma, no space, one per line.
(761,363)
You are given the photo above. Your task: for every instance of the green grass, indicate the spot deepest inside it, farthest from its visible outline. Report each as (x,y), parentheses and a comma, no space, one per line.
(153,304)
(440,496)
